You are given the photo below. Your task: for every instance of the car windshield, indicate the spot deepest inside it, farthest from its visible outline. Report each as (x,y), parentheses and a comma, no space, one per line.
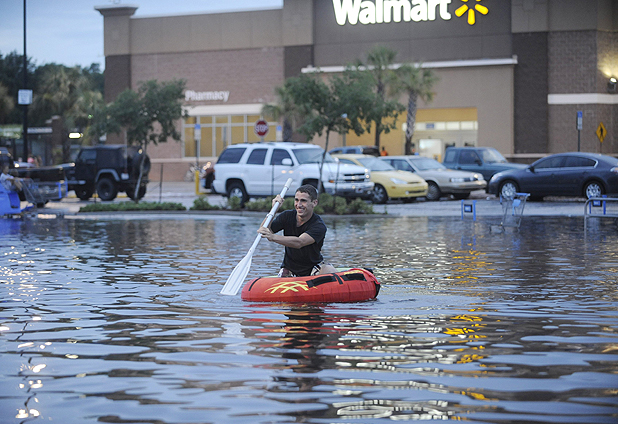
(375,164)
(312,155)
(492,156)
(425,164)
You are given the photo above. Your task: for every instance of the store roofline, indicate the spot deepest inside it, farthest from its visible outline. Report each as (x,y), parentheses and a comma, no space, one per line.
(582,99)
(433,65)
(247,109)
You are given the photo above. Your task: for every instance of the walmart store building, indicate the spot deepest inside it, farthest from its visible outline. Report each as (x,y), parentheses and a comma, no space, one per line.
(513,74)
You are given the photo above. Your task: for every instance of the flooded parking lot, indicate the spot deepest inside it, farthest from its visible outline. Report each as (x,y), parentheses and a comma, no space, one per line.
(121,320)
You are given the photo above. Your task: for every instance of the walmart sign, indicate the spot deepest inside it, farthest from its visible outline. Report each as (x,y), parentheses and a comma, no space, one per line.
(368,12)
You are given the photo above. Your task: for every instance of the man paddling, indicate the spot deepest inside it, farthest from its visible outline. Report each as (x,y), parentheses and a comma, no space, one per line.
(303,235)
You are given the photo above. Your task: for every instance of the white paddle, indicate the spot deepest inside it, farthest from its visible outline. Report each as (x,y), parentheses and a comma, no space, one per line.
(238,275)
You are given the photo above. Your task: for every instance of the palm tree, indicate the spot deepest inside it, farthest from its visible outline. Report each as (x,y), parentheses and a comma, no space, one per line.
(285,109)
(380,61)
(416,82)
(58,93)
(7,104)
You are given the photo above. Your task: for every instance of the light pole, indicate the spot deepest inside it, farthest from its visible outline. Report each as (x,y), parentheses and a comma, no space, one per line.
(25,104)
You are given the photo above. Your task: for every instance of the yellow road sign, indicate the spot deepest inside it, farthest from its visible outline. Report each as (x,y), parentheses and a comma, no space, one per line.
(601,132)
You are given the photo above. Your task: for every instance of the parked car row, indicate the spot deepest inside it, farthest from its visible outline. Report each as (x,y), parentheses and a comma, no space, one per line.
(563,174)
(389,183)
(441,180)
(260,169)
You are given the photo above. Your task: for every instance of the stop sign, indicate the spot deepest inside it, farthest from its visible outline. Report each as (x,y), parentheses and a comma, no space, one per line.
(261,128)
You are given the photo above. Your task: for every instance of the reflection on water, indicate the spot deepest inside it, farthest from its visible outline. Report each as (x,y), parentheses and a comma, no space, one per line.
(122,321)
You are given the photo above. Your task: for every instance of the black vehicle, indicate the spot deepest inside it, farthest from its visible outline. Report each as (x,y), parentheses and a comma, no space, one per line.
(562,174)
(41,173)
(484,160)
(108,170)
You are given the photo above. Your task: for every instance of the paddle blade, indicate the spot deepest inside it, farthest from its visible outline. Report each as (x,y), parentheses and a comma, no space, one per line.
(237,277)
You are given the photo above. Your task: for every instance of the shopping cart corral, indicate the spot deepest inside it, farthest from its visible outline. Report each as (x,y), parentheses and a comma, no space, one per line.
(600,207)
(35,193)
(513,209)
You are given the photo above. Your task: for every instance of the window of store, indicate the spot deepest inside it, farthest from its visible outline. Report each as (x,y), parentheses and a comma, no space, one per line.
(220,131)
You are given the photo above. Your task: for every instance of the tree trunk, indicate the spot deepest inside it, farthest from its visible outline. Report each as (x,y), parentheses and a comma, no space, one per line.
(410,122)
(320,187)
(141,173)
(377,136)
(66,144)
(287,130)
(381,95)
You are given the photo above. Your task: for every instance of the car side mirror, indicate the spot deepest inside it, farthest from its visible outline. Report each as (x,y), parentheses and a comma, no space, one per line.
(286,162)
(531,168)
(478,162)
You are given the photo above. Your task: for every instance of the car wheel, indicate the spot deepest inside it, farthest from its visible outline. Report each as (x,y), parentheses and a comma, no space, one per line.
(508,189)
(379,194)
(237,190)
(593,189)
(107,189)
(433,191)
(84,193)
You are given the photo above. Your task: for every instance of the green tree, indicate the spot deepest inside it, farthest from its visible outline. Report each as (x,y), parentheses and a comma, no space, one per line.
(12,77)
(285,109)
(7,104)
(417,82)
(325,108)
(137,112)
(65,92)
(383,111)
(147,115)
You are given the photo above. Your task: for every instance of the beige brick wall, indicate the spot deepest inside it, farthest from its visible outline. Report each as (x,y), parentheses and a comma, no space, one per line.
(582,62)
(250,75)
(563,132)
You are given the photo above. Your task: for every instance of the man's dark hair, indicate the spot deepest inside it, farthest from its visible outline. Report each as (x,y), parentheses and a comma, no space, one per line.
(310,190)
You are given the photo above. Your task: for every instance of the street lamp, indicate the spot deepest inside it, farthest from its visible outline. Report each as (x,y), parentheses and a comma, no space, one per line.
(25,95)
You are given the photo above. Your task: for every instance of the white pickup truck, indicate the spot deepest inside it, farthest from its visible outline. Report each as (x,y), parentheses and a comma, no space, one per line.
(261,169)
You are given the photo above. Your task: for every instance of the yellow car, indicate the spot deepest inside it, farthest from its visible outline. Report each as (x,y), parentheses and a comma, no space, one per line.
(390,183)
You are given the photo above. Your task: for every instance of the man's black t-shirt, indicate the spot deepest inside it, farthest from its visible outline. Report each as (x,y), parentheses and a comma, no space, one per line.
(301,261)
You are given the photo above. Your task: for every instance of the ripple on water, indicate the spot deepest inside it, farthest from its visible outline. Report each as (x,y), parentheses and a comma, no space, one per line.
(122,321)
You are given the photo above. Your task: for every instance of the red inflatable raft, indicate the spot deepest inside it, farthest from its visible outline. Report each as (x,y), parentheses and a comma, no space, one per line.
(352,285)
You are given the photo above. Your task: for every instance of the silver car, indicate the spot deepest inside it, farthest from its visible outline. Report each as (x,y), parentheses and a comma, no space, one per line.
(441,180)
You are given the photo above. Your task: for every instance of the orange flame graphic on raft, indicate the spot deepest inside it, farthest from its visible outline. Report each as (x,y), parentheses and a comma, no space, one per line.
(286,286)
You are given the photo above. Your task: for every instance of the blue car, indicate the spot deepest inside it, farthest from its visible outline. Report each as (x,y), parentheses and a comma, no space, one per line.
(481,160)
(563,174)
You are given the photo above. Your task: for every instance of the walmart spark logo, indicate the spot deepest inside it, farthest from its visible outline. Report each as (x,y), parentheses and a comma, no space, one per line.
(471,11)
(366,12)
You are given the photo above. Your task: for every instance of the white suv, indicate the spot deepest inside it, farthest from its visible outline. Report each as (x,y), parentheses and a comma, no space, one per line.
(261,169)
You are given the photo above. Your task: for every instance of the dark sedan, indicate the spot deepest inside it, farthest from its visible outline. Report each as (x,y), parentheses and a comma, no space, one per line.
(563,174)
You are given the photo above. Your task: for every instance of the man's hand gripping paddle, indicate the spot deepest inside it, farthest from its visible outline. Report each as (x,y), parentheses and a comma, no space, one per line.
(238,275)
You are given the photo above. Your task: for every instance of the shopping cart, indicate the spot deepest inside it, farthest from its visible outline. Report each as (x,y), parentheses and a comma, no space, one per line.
(513,209)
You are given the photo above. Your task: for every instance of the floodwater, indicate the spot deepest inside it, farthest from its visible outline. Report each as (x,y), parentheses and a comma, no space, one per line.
(121,321)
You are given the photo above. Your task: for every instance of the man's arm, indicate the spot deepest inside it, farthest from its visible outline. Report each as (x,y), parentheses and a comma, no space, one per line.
(288,241)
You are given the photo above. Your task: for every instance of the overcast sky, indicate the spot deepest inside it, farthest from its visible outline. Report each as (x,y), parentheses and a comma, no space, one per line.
(70,32)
